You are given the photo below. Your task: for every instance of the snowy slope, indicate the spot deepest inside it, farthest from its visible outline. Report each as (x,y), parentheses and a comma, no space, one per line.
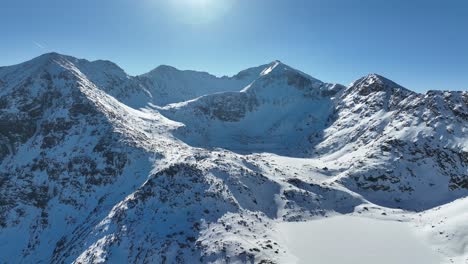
(63,157)
(95,167)
(446,229)
(278,113)
(400,143)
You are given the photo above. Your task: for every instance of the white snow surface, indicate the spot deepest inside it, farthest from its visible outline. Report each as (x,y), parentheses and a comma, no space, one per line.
(355,240)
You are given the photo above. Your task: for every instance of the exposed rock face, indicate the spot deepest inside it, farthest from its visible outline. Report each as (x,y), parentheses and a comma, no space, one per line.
(95,167)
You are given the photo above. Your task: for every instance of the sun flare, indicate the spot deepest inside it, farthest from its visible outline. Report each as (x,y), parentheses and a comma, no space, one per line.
(200,11)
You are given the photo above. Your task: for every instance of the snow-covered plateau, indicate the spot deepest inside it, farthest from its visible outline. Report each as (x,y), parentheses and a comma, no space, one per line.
(268,166)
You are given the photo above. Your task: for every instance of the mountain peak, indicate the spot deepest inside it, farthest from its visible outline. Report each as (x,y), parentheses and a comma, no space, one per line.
(374,77)
(173,71)
(52,54)
(50,57)
(373,83)
(51,62)
(164,67)
(271,66)
(278,68)
(82,64)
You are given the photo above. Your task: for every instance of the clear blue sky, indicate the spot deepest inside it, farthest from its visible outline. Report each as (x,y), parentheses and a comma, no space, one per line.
(420,44)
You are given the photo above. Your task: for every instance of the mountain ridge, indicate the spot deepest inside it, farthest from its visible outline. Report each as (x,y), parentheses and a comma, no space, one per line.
(98,166)
(51,56)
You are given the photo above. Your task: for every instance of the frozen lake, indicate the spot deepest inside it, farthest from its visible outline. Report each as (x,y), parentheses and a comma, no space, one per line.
(355,240)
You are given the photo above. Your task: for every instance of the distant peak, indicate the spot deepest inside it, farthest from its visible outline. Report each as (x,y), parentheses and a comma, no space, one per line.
(373,83)
(279,68)
(270,68)
(44,60)
(277,63)
(46,57)
(170,70)
(53,56)
(162,69)
(50,54)
(165,67)
(374,77)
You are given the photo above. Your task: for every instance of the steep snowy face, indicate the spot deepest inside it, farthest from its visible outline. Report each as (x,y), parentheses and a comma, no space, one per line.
(281,110)
(167,84)
(111,79)
(28,91)
(105,75)
(61,156)
(369,96)
(391,136)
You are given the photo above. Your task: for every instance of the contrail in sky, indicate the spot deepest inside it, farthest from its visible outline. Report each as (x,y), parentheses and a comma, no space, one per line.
(39,45)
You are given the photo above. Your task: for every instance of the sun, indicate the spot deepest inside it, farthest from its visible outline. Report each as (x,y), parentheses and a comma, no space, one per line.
(200,11)
(198,3)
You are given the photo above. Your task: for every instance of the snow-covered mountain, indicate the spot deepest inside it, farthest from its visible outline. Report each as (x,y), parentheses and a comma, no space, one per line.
(170,85)
(185,167)
(277,112)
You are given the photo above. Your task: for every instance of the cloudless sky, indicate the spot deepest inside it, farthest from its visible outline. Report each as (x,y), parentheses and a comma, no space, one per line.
(421,44)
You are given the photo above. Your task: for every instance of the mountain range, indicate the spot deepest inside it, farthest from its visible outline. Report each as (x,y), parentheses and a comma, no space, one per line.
(180,166)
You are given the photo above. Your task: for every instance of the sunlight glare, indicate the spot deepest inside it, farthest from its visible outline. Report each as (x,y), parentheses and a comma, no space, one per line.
(200,11)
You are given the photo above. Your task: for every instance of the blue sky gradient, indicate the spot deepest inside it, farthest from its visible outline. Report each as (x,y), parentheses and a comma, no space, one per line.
(422,45)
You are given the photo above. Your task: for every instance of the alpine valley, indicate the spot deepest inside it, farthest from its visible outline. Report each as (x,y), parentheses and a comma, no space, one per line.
(180,166)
